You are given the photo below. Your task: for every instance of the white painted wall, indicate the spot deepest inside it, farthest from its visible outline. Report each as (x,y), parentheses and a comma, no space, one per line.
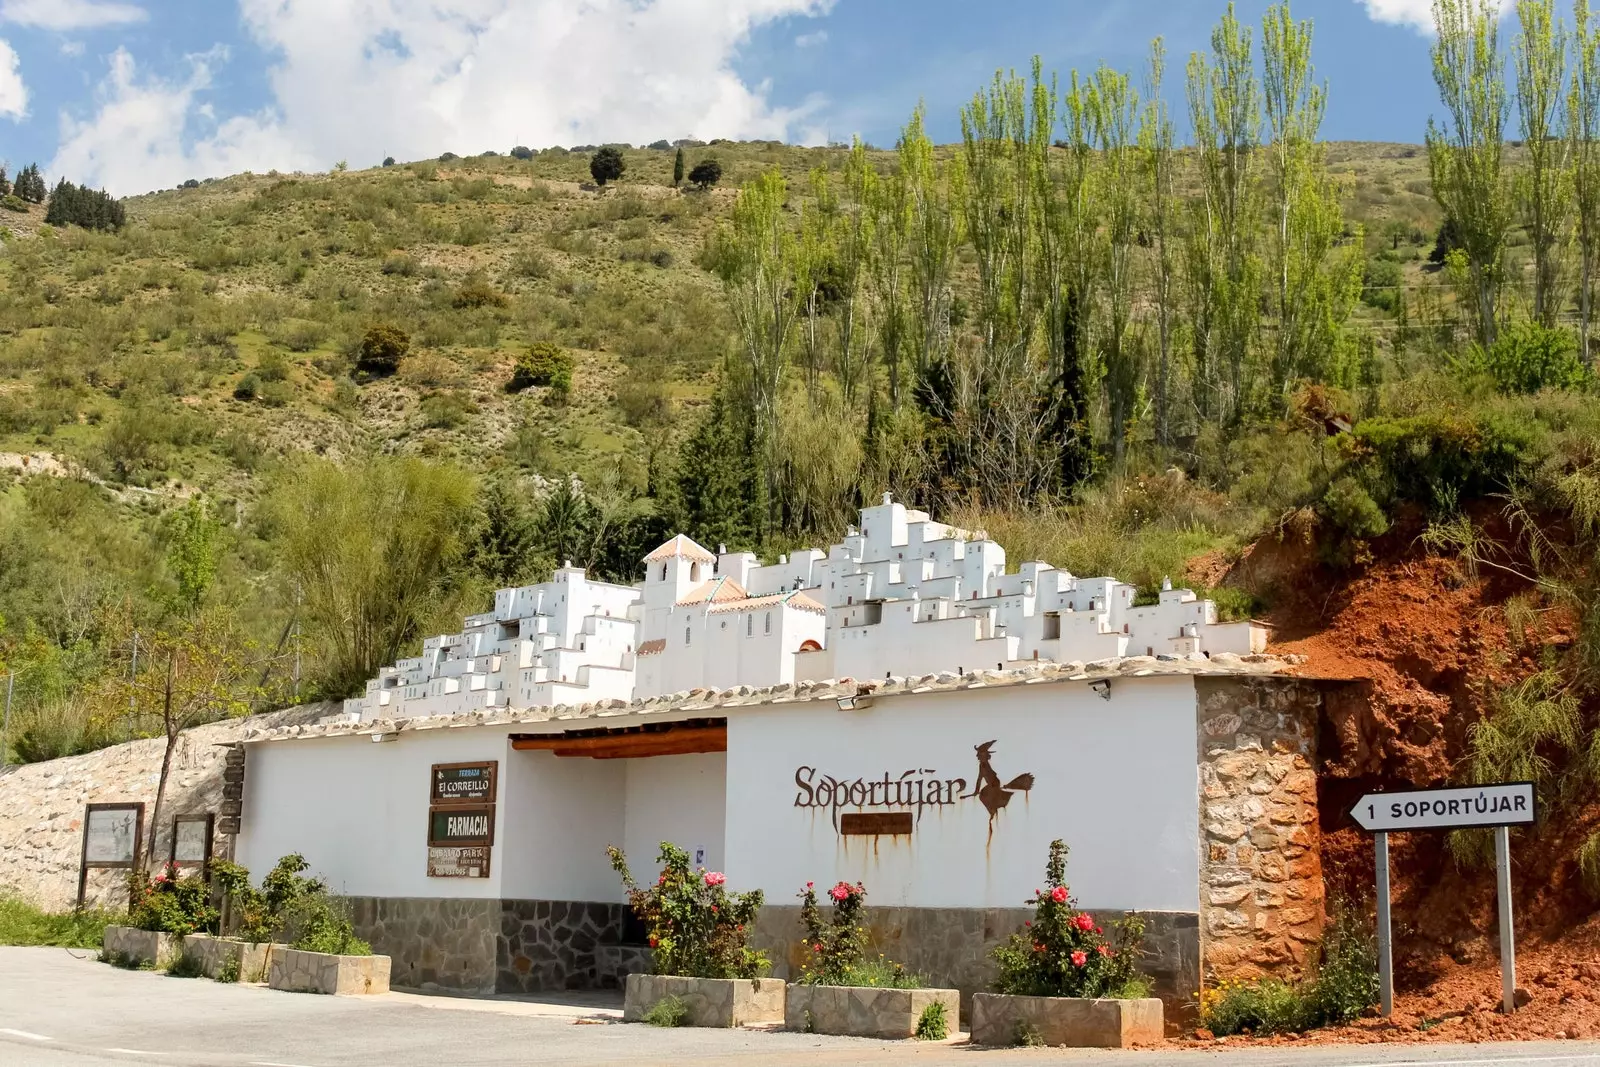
(358,811)
(558,816)
(1115,779)
(681,799)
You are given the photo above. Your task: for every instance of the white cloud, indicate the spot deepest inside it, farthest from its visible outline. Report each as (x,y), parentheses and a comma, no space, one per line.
(363,79)
(13,94)
(1415,13)
(807,40)
(72,49)
(70,14)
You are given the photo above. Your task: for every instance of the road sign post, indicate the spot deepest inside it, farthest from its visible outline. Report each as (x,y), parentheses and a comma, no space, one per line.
(1458,808)
(1385,947)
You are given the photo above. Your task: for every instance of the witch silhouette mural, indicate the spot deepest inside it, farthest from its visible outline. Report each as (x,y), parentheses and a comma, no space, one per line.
(990,793)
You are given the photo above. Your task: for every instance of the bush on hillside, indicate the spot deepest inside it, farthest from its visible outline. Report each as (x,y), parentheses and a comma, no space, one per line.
(1527,358)
(544,364)
(388,161)
(12,202)
(705,174)
(522,152)
(606,165)
(382,348)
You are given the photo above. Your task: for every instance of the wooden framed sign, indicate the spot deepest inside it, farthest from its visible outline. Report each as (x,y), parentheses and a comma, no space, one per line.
(463,783)
(461,826)
(191,839)
(453,862)
(112,837)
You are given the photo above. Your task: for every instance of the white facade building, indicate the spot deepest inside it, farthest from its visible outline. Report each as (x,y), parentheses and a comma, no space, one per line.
(900,595)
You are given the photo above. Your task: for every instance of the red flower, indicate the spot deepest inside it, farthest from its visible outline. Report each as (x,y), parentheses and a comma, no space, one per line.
(714,878)
(1028,923)
(810,884)
(1085,923)
(1080,958)
(1104,950)
(713,909)
(653,941)
(817,947)
(840,892)
(1059,894)
(1098,930)
(1038,947)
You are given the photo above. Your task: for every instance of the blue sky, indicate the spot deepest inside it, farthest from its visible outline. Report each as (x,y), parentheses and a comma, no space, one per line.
(140,94)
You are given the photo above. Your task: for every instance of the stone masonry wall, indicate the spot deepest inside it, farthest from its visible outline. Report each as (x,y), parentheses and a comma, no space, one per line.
(41,804)
(548,945)
(433,942)
(1261,887)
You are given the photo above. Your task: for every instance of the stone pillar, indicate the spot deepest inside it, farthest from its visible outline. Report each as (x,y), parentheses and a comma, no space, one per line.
(1261,889)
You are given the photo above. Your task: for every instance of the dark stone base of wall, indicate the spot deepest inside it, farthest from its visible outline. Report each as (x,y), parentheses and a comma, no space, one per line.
(547,945)
(539,946)
(950,947)
(432,942)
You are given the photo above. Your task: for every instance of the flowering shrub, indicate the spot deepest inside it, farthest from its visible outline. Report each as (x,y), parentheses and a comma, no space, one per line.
(288,905)
(1063,952)
(170,903)
(697,928)
(836,943)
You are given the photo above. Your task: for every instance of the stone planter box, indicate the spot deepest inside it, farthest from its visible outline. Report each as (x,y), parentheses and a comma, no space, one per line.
(143,946)
(214,953)
(860,1011)
(298,971)
(719,1002)
(1065,1021)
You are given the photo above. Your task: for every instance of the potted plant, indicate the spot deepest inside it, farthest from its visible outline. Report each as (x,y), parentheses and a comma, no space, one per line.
(164,910)
(841,990)
(1063,981)
(701,963)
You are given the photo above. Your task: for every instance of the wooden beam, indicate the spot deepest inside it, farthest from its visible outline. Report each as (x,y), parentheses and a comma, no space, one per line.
(679,741)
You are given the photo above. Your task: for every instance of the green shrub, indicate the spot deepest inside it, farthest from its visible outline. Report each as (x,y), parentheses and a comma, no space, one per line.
(11,202)
(1352,518)
(249,387)
(1380,285)
(228,970)
(23,924)
(1436,459)
(667,1012)
(836,944)
(172,903)
(705,174)
(478,292)
(1063,952)
(1589,865)
(447,411)
(697,928)
(186,966)
(933,1024)
(545,364)
(606,165)
(1528,357)
(382,348)
(1343,986)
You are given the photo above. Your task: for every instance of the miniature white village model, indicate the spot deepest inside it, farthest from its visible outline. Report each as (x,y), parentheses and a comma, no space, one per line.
(901,595)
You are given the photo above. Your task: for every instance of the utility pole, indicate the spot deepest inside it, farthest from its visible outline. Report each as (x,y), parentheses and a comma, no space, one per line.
(133,677)
(5,725)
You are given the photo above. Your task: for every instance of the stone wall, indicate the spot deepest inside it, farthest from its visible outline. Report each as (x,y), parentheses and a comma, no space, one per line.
(435,943)
(1261,884)
(951,947)
(549,945)
(41,804)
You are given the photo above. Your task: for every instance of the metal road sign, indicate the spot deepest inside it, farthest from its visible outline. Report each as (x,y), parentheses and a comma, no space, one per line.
(1501,806)
(1509,804)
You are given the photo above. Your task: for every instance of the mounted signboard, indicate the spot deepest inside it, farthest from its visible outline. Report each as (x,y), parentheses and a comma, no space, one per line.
(461,826)
(464,783)
(191,840)
(1500,806)
(112,836)
(452,862)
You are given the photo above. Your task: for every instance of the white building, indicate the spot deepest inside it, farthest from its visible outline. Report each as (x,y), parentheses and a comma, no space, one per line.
(901,595)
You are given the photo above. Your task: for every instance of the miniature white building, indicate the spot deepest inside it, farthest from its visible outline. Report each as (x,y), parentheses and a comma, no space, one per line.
(901,595)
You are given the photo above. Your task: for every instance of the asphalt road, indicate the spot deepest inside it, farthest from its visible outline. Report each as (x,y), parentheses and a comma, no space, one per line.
(62,1009)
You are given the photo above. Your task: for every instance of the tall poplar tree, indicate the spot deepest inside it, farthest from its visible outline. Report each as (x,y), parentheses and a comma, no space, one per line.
(1113,112)
(1224,256)
(889,202)
(1583,131)
(855,243)
(1466,153)
(934,238)
(1155,145)
(1314,285)
(1543,192)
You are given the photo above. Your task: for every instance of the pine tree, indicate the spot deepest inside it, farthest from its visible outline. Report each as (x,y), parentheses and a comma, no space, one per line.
(505,536)
(72,205)
(5,184)
(677,168)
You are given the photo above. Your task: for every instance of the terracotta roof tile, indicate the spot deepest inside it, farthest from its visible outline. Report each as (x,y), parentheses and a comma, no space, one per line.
(798,601)
(681,546)
(651,648)
(717,590)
